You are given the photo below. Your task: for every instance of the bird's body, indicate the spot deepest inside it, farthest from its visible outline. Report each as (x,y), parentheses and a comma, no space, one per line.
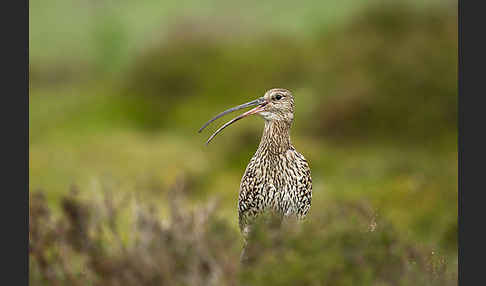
(278,178)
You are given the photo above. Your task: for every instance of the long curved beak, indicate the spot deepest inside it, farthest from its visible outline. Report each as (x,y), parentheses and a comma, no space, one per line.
(260,102)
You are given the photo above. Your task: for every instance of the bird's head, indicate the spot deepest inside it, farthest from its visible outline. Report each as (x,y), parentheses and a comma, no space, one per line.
(279,105)
(276,105)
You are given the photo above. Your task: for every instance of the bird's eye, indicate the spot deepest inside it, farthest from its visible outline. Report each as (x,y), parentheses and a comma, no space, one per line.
(278,97)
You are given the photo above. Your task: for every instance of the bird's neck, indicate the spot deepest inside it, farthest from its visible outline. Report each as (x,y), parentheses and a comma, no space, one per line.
(276,137)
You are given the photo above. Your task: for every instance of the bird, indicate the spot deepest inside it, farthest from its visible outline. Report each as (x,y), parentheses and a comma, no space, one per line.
(277,178)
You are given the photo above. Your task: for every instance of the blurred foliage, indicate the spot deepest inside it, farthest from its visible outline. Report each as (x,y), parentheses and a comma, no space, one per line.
(375,77)
(345,244)
(376,109)
(85,245)
(402,80)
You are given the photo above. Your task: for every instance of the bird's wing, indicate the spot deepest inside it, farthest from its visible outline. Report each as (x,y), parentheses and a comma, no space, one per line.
(251,186)
(304,184)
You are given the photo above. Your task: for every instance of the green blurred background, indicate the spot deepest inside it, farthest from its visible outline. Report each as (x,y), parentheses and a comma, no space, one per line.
(118,90)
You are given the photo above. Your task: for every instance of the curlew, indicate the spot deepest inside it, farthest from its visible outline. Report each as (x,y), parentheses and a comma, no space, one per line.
(278,178)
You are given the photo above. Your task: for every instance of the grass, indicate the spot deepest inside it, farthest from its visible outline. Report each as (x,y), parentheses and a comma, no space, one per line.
(414,177)
(341,243)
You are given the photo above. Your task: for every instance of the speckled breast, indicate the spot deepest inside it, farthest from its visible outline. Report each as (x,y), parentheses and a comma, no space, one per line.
(279,182)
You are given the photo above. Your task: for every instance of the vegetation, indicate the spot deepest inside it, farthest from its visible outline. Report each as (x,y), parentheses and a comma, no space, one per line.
(347,244)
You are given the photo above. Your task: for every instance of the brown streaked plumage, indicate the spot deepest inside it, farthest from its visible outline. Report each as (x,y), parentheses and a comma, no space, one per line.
(278,177)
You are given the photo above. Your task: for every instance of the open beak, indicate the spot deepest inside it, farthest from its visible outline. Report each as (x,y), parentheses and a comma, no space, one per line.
(260,102)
